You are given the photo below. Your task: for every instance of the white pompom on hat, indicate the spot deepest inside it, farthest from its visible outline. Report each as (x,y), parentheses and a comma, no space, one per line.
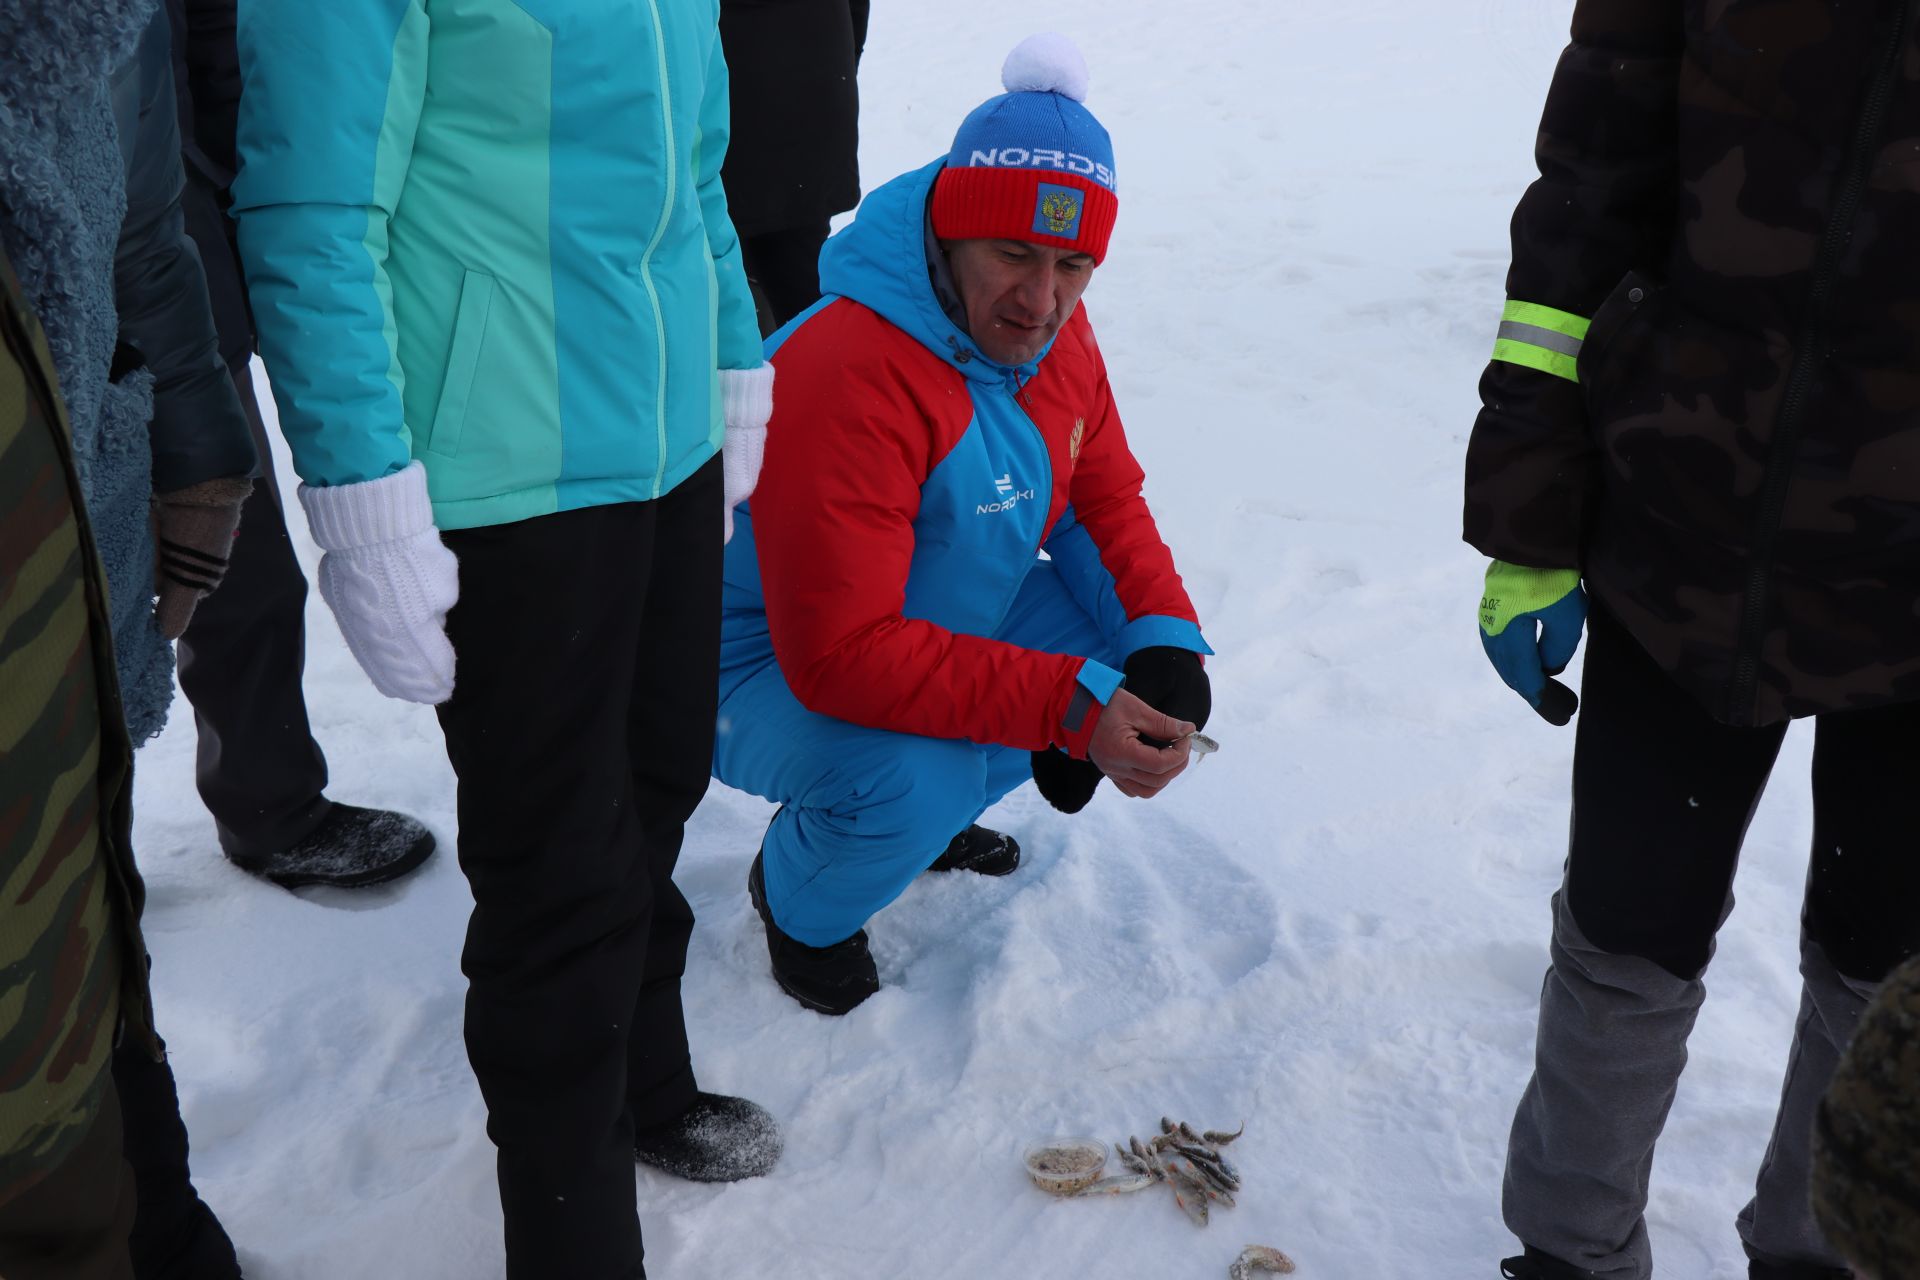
(1046,63)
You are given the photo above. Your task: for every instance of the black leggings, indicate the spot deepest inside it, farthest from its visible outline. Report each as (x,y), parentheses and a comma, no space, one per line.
(784,269)
(1663,793)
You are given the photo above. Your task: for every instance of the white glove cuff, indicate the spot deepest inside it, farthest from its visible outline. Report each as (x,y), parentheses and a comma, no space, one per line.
(344,517)
(746,396)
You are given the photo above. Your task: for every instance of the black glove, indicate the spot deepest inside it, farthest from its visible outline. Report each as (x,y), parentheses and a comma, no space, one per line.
(1172,682)
(1068,784)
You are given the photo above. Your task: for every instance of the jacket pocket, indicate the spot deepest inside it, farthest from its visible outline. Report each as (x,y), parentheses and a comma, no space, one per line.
(463,363)
(1618,328)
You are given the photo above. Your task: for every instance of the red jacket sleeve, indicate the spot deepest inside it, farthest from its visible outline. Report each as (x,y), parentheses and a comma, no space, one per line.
(848,450)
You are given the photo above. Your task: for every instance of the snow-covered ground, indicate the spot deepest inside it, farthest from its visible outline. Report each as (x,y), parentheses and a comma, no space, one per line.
(1334,931)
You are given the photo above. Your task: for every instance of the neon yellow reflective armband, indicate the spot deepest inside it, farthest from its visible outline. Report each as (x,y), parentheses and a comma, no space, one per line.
(1541,338)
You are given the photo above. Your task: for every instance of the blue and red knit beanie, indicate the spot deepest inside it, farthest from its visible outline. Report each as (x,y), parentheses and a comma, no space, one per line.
(1032,164)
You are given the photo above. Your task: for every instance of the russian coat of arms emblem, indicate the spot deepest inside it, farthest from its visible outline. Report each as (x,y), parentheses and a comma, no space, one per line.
(1059,211)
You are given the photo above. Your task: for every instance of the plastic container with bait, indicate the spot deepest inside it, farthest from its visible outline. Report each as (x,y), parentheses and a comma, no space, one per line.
(1062,1166)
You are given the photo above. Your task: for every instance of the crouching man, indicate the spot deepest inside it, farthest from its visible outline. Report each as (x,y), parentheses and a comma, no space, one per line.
(897,654)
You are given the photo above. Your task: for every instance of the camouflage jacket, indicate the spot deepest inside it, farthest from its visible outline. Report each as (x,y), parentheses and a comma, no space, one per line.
(72,965)
(1706,390)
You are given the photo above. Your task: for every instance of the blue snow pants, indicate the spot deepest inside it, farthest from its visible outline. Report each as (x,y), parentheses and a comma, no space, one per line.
(864,811)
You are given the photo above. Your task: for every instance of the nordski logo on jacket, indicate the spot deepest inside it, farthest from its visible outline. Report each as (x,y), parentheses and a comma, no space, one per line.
(1010,497)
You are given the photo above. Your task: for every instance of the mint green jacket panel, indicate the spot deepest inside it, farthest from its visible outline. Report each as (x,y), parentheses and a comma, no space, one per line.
(560,277)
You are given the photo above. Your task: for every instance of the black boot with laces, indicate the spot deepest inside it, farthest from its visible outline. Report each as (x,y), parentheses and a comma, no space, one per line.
(1757,1270)
(831,979)
(980,850)
(1535,1265)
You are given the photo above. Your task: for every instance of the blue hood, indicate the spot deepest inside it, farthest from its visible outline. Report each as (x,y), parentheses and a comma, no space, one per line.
(880,261)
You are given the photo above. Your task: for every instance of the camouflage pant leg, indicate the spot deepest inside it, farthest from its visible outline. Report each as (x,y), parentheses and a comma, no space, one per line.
(73,1223)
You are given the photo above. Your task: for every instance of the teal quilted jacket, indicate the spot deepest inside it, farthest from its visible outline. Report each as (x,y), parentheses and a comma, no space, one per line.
(492,236)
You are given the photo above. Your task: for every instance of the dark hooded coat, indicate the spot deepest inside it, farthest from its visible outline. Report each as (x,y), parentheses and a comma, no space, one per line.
(1730,193)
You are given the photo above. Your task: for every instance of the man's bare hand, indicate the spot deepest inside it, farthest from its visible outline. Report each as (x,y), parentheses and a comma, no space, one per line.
(1136,768)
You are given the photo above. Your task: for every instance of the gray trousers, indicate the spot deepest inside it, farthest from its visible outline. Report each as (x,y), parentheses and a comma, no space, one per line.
(1662,798)
(1611,1046)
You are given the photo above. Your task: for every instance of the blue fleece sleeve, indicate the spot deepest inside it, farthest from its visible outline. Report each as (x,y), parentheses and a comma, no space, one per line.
(332,99)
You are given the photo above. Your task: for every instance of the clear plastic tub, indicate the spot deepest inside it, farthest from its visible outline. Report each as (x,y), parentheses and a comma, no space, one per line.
(1062,1166)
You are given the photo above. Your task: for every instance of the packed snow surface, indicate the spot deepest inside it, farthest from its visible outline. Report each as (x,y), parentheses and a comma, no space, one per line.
(1333,931)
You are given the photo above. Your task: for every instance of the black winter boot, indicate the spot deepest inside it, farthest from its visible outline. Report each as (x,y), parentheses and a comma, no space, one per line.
(830,980)
(717,1139)
(1535,1265)
(1757,1270)
(981,851)
(351,848)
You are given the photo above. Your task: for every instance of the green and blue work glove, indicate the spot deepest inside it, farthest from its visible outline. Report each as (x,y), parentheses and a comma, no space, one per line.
(1530,624)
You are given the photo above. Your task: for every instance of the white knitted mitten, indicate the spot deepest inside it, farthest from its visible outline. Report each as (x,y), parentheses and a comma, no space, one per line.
(389,580)
(746,402)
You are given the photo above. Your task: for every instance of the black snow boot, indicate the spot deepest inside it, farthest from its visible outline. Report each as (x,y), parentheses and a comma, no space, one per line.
(830,980)
(351,848)
(981,851)
(1757,1270)
(717,1139)
(1535,1265)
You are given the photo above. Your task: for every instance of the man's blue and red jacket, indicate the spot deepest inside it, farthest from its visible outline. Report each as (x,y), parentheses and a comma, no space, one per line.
(909,488)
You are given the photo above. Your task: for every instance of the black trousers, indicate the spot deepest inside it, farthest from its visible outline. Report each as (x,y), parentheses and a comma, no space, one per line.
(175,1235)
(1663,793)
(784,269)
(241,663)
(72,1224)
(581,728)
